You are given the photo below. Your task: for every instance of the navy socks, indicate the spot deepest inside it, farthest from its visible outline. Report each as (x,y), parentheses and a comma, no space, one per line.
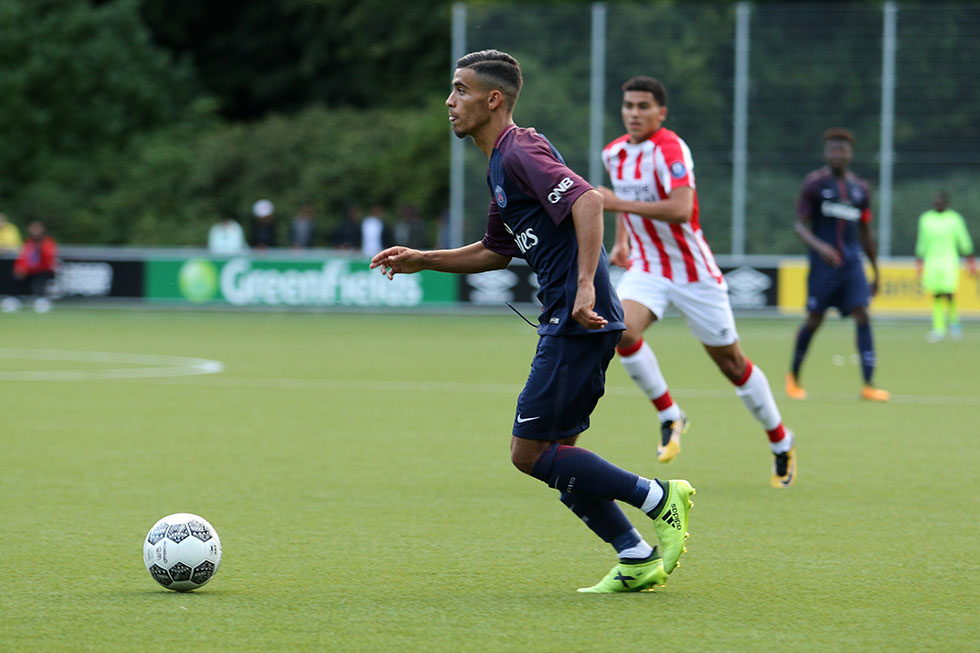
(802,344)
(578,470)
(605,518)
(866,348)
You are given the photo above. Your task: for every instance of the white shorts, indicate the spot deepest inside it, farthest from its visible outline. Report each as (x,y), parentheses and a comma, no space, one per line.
(704,304)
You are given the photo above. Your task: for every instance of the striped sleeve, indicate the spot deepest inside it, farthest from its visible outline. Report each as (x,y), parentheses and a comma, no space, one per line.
(675,172)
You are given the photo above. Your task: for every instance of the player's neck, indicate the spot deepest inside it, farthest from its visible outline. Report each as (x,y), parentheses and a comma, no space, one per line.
(840,173)
(636,140)
(486,137)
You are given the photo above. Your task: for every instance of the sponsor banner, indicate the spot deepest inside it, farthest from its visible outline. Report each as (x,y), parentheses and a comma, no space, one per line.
(85,278)
(245,281)
(748,287)
(516,284)
(899,291)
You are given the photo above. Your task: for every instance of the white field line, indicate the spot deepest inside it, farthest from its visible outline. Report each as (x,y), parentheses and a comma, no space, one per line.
(177,369)
(153,365)
(449,387)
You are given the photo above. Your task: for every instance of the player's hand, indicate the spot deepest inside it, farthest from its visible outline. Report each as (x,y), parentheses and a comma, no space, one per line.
(874,286)
(829,254)
(582,311)
(397,260)
(971,266)
(609,199)
(620,256)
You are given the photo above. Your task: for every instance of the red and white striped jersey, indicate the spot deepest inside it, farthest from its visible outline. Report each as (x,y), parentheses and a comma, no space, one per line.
(647,172)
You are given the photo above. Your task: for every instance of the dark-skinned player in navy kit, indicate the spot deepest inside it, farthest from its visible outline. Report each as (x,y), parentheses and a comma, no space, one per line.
(543,212)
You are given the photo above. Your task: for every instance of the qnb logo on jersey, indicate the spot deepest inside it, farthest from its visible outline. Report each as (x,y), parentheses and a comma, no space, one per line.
(525,240)
(838,210)
(556,193)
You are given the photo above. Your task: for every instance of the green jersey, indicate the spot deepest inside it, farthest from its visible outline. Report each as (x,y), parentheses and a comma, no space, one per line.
(941,240)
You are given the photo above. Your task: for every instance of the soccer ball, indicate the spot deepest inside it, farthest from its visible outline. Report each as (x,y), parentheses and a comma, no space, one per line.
(182,552)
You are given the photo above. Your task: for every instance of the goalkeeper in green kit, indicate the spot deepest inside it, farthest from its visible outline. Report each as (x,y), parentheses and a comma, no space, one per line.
(942,239)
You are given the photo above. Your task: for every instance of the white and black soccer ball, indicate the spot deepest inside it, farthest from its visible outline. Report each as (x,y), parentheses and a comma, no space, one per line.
(182,552)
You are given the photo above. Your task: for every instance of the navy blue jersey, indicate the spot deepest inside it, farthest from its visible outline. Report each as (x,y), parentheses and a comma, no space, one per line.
(835,207)
(532,192)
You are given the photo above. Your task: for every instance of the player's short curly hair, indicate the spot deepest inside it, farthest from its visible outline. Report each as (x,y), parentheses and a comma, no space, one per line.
(496,69)
(650,85)
(838,134)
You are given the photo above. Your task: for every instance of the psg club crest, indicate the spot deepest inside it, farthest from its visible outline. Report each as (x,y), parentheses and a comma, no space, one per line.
(500,197)
(677,170)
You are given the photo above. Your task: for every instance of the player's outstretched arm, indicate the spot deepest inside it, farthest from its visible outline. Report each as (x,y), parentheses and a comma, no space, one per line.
(461,260)
(677,208)
(587,216)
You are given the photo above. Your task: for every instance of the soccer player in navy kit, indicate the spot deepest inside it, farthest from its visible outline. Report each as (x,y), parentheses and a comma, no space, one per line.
(542,211)
(833,217)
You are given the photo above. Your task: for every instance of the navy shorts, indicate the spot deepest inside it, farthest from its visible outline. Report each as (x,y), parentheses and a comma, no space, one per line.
(568,375)
(845,287)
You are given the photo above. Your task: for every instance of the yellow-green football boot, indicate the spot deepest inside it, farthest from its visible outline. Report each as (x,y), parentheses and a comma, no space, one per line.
(635,577)
(671,521)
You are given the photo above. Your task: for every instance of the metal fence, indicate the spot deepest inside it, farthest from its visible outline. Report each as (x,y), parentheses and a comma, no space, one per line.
(751,88)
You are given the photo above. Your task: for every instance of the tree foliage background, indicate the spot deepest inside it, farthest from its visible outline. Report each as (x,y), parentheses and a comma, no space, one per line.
(140,121)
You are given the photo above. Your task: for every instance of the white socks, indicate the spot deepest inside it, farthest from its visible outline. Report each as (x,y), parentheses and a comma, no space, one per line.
(654,496)
(643,368)
(639,551)
(757,397)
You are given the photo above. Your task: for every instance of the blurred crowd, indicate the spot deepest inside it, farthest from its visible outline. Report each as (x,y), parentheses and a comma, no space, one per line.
(361,231)
(34,266)
(30,277)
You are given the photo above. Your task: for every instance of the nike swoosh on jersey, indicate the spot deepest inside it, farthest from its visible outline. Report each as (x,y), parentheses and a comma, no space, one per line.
(521,420)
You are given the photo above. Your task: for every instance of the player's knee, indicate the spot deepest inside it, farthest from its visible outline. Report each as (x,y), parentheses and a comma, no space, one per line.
(631,338)
(523,459)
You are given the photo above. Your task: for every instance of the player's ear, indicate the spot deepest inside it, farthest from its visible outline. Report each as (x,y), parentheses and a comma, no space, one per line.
(494,99)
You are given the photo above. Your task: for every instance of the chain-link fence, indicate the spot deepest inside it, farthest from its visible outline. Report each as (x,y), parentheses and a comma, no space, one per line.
(751,88)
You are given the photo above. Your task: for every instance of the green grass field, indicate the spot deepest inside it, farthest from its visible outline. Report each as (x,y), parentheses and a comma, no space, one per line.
(357,470)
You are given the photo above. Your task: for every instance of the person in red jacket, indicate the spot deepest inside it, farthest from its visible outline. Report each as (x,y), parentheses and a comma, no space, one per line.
(35,265)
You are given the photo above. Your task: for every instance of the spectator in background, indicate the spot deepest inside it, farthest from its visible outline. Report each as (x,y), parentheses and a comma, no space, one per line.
(35,265)
(227,237)
(373,234)
(347,235)
(264,225)
(410,230)
(9,235)
(301,228)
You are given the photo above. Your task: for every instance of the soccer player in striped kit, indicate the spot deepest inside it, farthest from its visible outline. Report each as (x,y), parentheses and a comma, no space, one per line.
(660,243)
